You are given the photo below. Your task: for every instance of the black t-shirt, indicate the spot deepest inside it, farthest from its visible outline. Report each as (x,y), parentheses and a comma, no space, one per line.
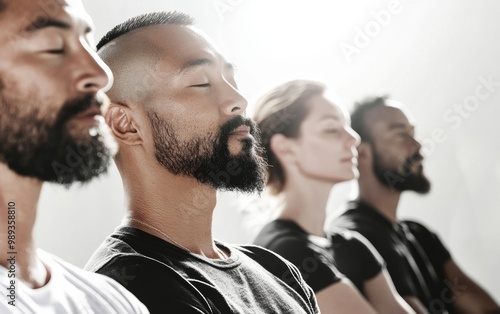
(320,259)
(355,257)
(415,256)
(168,279)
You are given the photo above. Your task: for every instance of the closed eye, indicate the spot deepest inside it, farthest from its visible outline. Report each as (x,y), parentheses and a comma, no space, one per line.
(55,51)
(331,131)
(201,85)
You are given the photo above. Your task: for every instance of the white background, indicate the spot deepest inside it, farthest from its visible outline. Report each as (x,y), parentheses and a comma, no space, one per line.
(429,55)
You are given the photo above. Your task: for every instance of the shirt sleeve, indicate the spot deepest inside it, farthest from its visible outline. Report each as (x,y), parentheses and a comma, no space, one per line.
(314,264)
(386,244)
(355,257)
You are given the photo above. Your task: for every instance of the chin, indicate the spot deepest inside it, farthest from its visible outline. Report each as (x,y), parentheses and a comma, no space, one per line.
(241,147)
(353,174)
(235,148)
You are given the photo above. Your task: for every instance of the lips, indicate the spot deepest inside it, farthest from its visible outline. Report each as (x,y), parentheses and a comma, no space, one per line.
(243,130)
(348,158)
(351,159)
(89,113)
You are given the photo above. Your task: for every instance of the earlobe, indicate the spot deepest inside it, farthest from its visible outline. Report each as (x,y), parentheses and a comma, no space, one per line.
(119,121)
(281,147)
(364,151)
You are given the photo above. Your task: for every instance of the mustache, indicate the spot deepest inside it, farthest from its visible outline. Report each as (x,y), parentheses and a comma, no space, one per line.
(236,122)
(76,106)
(417,156)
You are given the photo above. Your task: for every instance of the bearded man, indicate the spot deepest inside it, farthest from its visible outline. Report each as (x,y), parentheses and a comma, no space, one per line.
(180,123)
(390,163)
(51,130)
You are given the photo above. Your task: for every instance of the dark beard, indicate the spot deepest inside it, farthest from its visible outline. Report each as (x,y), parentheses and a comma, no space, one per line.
(207,158)
(33,146)
(401,180)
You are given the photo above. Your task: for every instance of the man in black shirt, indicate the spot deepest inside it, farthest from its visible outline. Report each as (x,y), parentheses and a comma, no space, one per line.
(389,163)
(181,127)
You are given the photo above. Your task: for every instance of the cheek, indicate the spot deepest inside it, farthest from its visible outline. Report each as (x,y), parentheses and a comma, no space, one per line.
(320,157)
(396,157)
(391,159)
(188,122)
(32,98)
(39,82)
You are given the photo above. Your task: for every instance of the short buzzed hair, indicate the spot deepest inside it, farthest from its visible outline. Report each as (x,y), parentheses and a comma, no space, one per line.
(3,6)
(358,115)
(145,20)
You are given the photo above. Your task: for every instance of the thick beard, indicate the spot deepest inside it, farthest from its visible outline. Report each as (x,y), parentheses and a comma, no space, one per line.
(207,158)
(404,180)
(33,146)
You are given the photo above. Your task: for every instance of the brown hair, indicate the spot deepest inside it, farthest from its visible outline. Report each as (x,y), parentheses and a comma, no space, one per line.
(281,111)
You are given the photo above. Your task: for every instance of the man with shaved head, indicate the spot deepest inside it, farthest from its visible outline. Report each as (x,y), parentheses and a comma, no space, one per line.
(389,163)
(180,123)
(51,130)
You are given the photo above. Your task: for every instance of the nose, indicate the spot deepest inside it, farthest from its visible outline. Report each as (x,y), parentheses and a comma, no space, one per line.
(93,74)
(353,138)
(417,144)
(233,103)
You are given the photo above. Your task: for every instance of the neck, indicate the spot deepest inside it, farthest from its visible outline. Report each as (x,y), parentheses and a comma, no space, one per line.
(18,202)
(177,209)
(305,204)
(382,198)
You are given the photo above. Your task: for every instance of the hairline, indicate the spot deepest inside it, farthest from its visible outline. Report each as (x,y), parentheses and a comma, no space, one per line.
(144,21)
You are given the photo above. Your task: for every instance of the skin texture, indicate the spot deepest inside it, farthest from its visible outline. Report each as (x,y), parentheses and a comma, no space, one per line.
(394,139)
(195,100)
(55,64)
(322,155)
(382,295)
(324,132)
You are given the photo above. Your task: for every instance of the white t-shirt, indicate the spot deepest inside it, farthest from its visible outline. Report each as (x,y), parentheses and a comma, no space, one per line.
(69,290)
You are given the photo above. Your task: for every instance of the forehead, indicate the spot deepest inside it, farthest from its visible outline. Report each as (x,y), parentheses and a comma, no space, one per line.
(321,108)
(386,118)
(173,44)
(19,14)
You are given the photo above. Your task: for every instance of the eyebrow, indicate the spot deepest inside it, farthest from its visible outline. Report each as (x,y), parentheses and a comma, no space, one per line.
(394,126)
(204,62)
(330,116)
(41,23)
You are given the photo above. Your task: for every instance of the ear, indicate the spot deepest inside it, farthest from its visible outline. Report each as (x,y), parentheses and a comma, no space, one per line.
(364,152)
(281,146)
(118,118)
